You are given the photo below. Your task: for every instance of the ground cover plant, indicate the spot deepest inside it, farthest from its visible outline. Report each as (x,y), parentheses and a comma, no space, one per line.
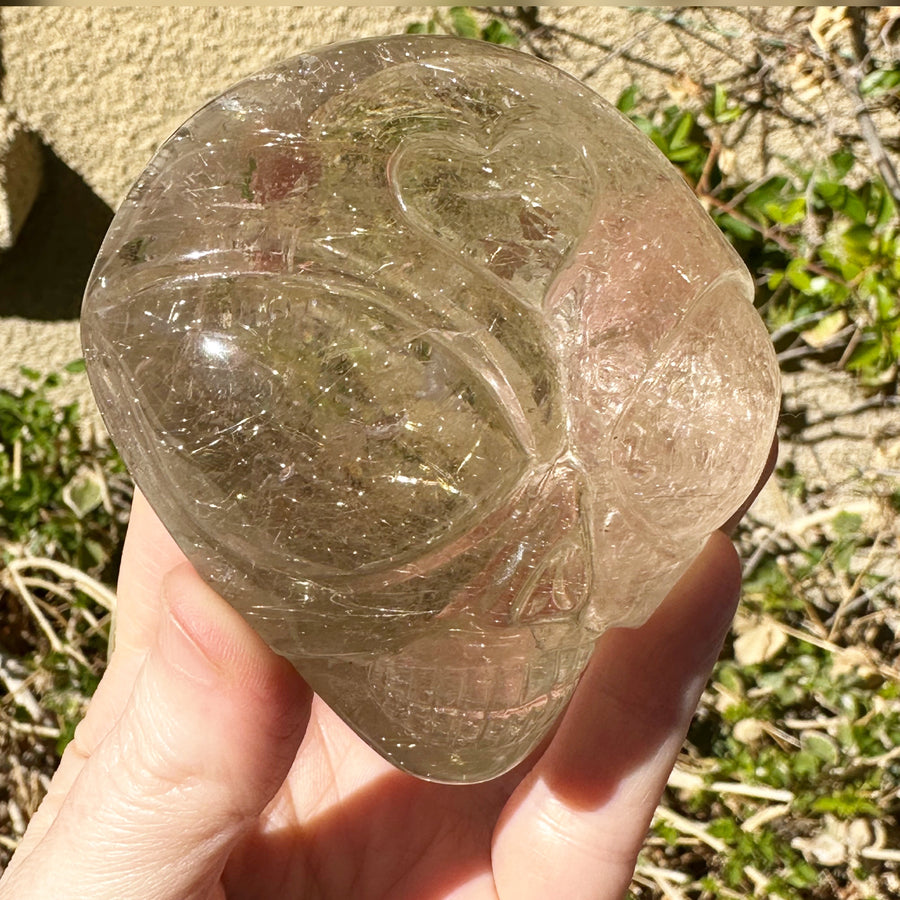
(789,782)
(63,509)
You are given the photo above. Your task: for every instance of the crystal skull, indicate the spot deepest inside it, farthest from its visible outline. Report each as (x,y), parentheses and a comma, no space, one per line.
(436,369)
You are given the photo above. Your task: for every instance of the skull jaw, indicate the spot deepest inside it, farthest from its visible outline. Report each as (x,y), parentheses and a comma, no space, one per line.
(460,692)
(456,711)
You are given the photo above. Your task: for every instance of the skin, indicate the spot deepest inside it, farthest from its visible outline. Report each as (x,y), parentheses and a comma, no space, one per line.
(205,768)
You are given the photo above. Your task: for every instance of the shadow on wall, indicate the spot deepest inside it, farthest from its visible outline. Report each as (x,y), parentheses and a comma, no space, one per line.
(44,275)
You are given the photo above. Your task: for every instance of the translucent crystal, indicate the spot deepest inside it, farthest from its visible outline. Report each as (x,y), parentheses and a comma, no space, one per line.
(435,369)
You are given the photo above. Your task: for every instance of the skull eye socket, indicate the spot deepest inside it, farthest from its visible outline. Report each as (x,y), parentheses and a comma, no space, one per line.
(673,446)
(328,433)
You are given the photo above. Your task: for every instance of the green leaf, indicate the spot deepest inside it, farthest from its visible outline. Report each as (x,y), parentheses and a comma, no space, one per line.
(75,367)
(719,110)
(841,199)
(827,327)
(866,356)
(786,214)
(820,745)
(879,81)
(684,154)
(84,493)
(655,135)
(465,25)
(95,552)
(497,32)
(647,127)
(856,244)
(627,99)
(885,211)
(682,132)
(846,804)
(739,230)
(840,163)
(797,275)
(776,192)
(720,100)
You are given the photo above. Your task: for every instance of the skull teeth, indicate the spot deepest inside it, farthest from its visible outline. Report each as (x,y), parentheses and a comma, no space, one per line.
(491,705)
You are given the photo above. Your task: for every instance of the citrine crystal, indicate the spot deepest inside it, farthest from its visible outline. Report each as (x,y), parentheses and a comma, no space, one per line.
(436,369)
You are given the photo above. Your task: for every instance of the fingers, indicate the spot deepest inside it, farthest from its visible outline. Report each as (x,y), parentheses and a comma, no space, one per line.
(149,555)
(586,806)
(205,739)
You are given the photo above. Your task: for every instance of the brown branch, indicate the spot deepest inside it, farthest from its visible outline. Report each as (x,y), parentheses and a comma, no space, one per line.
(850,77)
(772,235)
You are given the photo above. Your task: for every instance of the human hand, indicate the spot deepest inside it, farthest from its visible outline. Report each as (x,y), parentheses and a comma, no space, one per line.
(205,767)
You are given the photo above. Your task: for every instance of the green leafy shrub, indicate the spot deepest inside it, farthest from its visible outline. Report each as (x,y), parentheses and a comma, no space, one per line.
(60,495)
(462,21)
(64,503)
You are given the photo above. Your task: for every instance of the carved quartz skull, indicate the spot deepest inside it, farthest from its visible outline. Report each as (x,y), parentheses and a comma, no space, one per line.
(436,370)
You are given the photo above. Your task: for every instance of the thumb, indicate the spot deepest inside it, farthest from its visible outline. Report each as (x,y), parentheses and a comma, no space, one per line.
(207,737)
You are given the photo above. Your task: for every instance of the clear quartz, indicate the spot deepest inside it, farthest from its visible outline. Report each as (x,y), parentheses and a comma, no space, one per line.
(436,369)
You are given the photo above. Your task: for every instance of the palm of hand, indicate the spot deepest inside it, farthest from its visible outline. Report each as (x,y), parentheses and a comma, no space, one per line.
(346,824)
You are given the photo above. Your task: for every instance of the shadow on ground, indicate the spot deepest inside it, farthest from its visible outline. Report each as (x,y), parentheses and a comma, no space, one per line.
(43,276)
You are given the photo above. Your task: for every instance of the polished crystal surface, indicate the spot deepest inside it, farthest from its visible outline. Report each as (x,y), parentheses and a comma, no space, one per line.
(436,370)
